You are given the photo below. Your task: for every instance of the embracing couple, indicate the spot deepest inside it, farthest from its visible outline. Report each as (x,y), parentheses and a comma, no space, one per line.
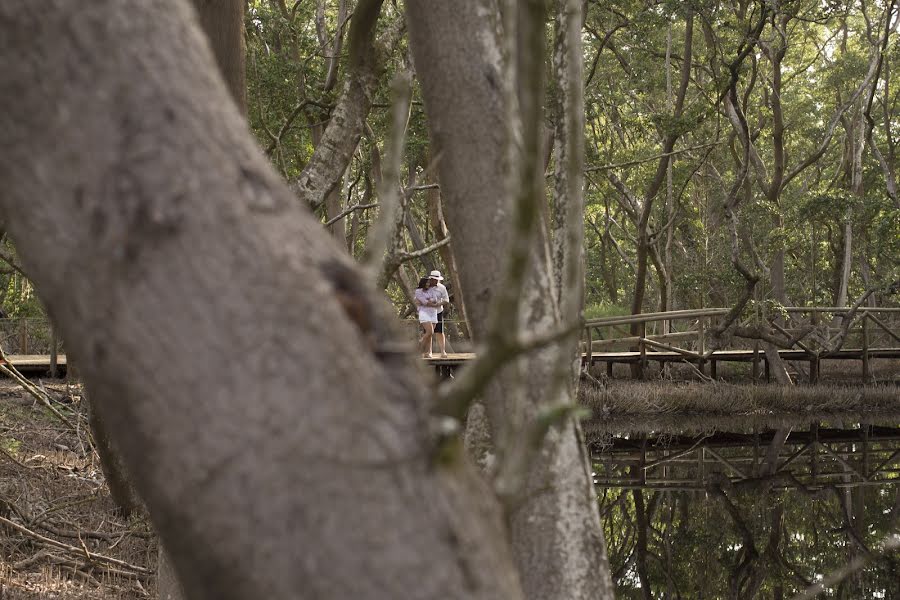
(431,298)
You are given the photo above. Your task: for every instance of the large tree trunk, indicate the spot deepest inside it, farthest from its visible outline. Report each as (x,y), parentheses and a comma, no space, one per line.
(163,244)
(556,532)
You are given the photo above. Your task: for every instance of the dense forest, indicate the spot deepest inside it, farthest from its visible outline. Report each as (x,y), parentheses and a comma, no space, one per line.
(817,216)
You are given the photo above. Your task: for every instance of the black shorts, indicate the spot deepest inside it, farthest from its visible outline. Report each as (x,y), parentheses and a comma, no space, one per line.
(439,326)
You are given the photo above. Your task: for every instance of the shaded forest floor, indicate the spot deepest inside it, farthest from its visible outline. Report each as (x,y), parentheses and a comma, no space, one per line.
(60,533)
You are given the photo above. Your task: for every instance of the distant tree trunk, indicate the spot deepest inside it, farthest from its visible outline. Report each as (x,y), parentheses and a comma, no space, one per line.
(149,215)
(333,200)
(223,23)
(448,257)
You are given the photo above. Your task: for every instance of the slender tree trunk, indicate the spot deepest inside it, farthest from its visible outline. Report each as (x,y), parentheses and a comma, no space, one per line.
(333,200)
(120,184)
(448,257)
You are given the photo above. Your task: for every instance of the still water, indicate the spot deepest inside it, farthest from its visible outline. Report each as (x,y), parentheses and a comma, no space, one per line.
(753,513)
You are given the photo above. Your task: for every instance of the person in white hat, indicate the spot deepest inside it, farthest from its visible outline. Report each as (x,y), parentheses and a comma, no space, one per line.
(445,301)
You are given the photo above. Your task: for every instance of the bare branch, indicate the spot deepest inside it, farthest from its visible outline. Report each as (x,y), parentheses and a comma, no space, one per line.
(405,256)
(639,161)
(349,210)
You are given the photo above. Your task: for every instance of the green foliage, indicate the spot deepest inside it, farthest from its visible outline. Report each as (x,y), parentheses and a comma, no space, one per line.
(600,310)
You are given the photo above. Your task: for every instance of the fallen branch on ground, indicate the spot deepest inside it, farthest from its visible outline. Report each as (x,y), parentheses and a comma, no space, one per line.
(82,551)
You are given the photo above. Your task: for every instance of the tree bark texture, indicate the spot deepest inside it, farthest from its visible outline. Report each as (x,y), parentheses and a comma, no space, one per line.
(557,540)
(165,246)
(223,23)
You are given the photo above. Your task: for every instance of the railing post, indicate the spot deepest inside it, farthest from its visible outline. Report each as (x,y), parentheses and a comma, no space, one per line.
(865,345)
(755,360)
(589,350)
(701,343)
(54,371)
(643,348)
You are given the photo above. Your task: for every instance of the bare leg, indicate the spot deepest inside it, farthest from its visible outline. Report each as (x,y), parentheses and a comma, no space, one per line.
(426,339)
(442,343)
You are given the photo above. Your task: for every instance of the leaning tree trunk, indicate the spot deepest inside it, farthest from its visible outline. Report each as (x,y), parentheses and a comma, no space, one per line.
(163,244)
(556,531)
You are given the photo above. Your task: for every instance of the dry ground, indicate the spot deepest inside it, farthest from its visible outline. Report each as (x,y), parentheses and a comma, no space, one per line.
(60,534)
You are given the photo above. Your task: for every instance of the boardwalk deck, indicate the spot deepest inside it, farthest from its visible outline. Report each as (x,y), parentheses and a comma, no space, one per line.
(36,364)
(446,366)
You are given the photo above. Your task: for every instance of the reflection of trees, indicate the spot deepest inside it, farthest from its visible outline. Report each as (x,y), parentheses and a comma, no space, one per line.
(769,535)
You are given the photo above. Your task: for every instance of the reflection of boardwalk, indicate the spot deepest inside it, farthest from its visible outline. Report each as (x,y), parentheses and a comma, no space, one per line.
(811,460)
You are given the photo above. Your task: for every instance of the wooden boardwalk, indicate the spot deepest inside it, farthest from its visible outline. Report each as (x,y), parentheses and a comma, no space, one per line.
(36,364)
(804,334)
(446,366)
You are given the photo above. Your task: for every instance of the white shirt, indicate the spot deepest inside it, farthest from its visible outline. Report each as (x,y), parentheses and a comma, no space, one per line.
(427,314)
(445,296)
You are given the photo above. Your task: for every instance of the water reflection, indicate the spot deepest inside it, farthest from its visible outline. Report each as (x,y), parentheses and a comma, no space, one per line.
(753,513)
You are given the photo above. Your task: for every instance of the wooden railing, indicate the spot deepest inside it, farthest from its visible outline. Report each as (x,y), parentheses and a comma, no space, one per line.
(871,329)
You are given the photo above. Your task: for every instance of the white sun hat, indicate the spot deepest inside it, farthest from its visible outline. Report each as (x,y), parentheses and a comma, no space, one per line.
(435,275)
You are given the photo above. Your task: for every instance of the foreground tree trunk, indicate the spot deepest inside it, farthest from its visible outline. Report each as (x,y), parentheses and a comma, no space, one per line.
(557,540)
(162,244)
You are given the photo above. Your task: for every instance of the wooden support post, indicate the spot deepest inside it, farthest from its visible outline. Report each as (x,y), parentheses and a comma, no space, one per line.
(643,348)
(589,358)
(767,369)
(712,369)
(54,358)
(609,368)
(701,344)
(814,369)
(701,336)
(865,346)
(755,374)
(23,336)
